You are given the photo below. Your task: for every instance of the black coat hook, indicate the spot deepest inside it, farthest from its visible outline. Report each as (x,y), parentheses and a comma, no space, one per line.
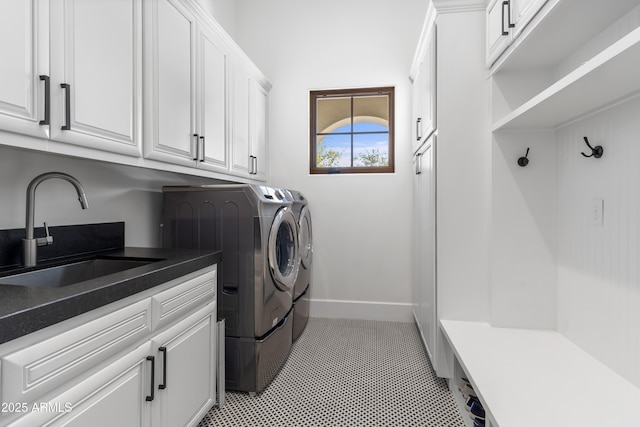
(595,152)
(524,161)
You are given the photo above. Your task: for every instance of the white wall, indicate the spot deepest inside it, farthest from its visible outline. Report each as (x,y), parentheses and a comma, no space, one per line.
(523,247)
(361,223)
(224,11)
(599,267)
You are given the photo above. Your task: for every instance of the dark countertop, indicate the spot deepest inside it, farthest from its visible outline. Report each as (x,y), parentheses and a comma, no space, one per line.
(25,309)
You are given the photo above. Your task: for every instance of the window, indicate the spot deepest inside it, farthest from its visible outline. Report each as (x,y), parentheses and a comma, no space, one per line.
(352,131)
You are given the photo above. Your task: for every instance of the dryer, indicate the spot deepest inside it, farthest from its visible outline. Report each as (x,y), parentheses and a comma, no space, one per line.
(302,286)
(256,230)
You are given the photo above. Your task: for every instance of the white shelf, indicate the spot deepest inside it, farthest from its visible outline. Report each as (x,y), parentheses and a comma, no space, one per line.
(609,76)
(539,378)
(558,30)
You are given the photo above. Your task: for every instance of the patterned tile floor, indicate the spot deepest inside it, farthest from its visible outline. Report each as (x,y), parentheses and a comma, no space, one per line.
(348,373)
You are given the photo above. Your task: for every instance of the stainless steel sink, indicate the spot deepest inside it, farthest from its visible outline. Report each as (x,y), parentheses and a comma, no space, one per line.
(68,274)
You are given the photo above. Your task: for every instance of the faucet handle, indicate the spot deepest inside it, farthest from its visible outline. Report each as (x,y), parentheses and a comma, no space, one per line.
(47,240)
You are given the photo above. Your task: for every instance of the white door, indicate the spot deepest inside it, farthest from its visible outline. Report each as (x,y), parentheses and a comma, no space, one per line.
(169,51)
(24,49)
(96,67)
(212,105)
(186,370)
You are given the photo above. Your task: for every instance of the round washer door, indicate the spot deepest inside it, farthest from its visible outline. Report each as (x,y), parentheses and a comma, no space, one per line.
(284,257)
(306,238)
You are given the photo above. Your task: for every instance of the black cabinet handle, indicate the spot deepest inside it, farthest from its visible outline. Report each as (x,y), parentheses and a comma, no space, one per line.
(153,374)
(47,101)
(163,350)
(504,32)
(418,121)
(511,25)
(197,150)
(202,149)
(67,110)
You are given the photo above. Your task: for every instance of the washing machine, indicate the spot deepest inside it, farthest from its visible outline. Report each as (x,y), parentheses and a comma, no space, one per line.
(302,214)
(256,230)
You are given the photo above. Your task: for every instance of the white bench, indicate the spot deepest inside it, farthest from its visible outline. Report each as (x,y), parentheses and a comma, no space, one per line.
(539,378)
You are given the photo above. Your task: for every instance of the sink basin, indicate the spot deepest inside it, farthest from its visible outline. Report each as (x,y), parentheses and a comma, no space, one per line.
(68,274)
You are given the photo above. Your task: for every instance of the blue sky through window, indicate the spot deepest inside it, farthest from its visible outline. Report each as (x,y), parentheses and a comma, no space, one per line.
(364,142)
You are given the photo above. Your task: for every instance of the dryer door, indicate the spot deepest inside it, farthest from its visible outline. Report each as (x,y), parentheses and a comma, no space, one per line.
(284,257)
(306,238)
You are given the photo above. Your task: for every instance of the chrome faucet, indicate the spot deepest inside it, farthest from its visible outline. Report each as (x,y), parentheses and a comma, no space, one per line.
(29,244)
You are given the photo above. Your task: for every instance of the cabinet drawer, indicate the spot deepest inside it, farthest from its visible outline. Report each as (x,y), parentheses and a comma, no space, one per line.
(33,371)
(118,390)
(183,298)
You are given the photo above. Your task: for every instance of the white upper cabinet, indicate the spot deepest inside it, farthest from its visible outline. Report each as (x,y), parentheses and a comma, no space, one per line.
(24,49)
(505,21)
(195,93)
(259,130)
(96,74)
(248,124)
(499,29)
(424,83)
(546,78)
(424,94)
(150,83)
(524,11)
(169,131)
(240,149)
(212,103)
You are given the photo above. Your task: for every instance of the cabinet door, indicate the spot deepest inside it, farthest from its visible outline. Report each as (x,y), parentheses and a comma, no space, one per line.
(426,311)
(169,53)
(24,49)
(415,241)
(423,94)
(524,11)
(95,52)
(186,370)
(33,371)
(212,103)
(499,28)
(259,130)
(428,89)
(415,113)
(240,144)
(115,396)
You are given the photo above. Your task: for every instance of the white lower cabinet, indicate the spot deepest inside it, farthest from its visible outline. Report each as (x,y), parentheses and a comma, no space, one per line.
(185,371)
(119,367)
(112,397)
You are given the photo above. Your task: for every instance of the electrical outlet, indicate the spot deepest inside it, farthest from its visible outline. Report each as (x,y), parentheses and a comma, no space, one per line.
(597,211)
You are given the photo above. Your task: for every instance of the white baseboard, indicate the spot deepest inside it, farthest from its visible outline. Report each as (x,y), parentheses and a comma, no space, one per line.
(365,310)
